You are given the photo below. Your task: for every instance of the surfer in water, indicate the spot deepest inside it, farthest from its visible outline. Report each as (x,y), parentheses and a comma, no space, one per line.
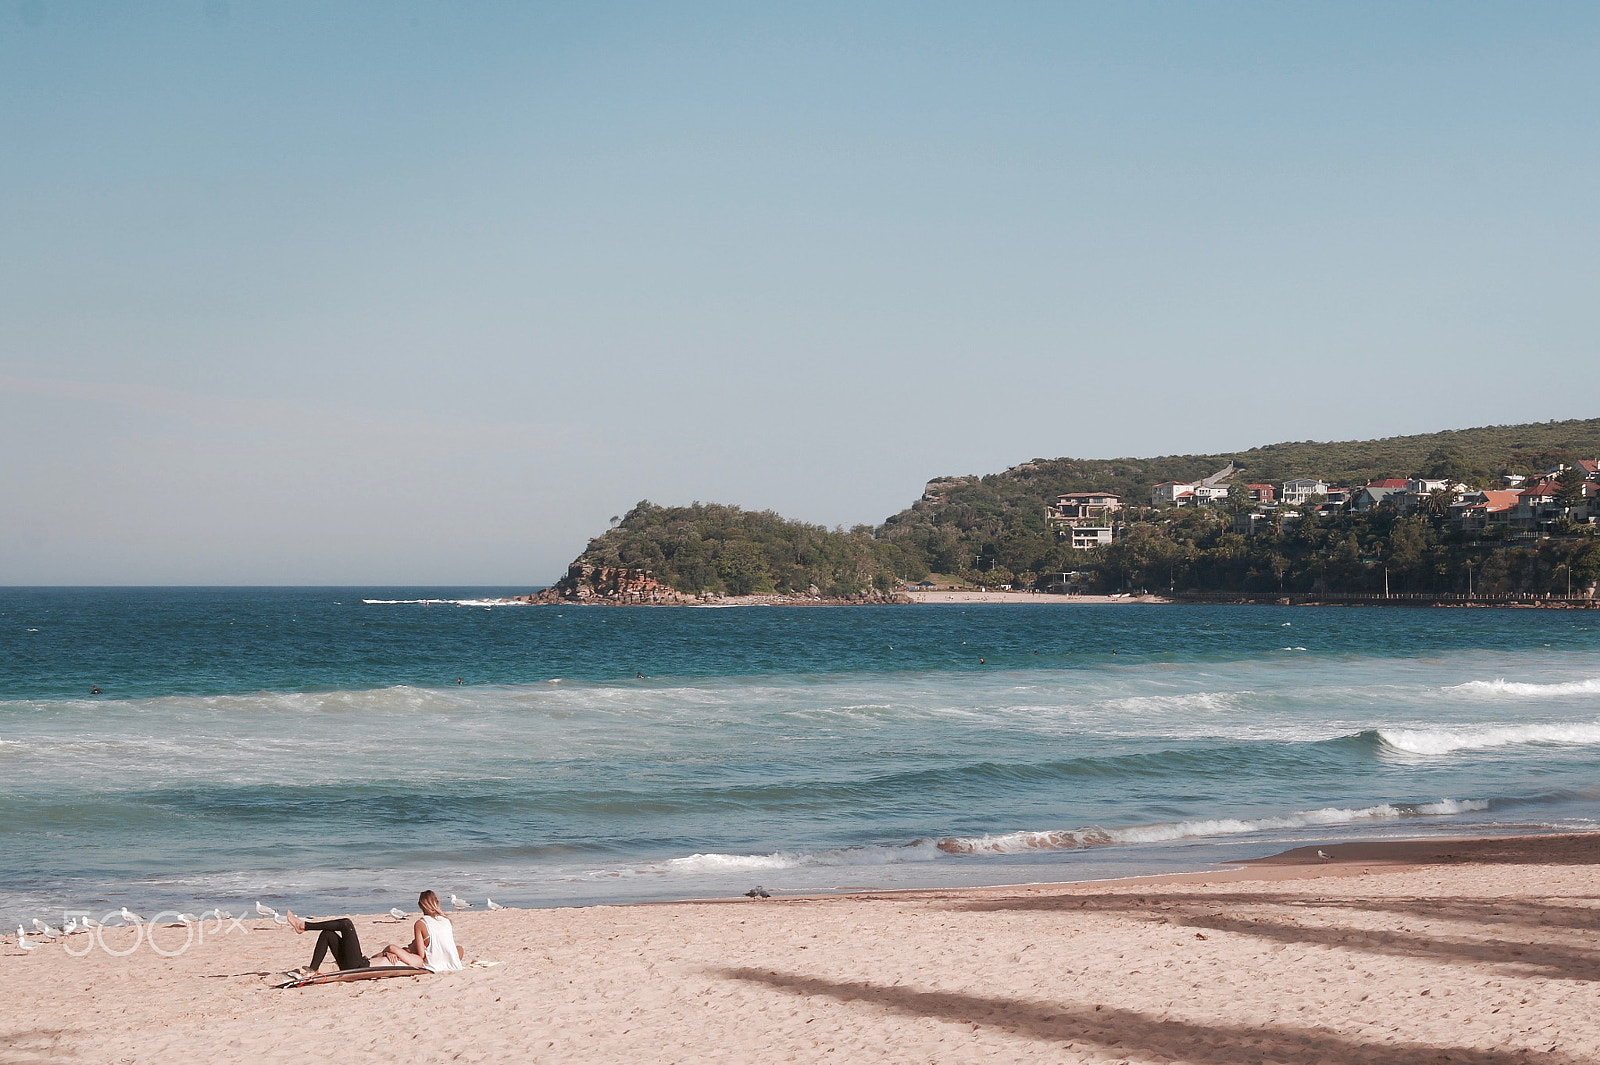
(432,946)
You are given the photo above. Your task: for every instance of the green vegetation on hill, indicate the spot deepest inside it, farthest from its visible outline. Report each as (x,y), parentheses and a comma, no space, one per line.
(993,527)
(993,530)
(708,547)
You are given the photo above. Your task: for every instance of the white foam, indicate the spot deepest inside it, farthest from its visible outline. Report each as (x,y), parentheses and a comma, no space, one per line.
(1441,741)
(1512,687)
(1024,842)
(922,850)
(445,602)
(1094,836)
(1188,702)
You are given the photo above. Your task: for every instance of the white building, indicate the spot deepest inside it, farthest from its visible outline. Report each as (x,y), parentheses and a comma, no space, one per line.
(1086,536)
(1302,489)
(1172,494)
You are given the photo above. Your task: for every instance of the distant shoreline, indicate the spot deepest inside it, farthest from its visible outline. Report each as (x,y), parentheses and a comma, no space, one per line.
(1015,598)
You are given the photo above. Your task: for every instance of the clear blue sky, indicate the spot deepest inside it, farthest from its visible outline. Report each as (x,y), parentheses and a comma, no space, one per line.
(425,292)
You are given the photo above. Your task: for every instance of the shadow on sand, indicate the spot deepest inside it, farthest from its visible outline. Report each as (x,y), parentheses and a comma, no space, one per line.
(1132,1033)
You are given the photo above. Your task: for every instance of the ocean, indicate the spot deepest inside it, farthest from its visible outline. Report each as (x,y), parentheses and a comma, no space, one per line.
(313,748)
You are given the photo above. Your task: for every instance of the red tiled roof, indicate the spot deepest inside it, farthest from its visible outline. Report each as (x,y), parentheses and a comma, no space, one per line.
(1389,482)
(1495,501)
(1589,466)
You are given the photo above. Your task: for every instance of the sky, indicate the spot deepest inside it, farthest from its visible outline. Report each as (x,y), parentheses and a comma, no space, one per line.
(427,292)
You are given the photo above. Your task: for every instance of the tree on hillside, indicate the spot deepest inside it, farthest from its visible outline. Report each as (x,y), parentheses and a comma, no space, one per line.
(1571,481)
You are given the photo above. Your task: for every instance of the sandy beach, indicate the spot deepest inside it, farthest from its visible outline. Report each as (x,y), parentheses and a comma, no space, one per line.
(1030,598)
(1459,951)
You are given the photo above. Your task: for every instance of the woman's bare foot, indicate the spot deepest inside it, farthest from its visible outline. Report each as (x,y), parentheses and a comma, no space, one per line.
(296,923)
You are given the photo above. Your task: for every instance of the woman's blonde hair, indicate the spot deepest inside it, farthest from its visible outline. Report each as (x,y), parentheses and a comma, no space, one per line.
(428,902)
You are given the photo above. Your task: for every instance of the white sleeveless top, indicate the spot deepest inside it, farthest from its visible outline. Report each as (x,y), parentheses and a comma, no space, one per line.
(441,956)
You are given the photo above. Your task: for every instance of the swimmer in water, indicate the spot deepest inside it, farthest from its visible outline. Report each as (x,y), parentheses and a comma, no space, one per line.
(95,690)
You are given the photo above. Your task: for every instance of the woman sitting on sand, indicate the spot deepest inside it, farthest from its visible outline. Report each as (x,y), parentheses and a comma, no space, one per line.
(432,947)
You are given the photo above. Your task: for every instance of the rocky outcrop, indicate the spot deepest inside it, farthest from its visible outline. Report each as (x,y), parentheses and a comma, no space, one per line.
(610,584)
(616,586)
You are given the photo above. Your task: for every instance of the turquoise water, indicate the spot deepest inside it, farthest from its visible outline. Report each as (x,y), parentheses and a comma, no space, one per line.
(312,746)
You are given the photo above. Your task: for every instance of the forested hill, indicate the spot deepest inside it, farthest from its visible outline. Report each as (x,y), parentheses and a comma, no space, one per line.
(967,523)
(992,529)
(724,550)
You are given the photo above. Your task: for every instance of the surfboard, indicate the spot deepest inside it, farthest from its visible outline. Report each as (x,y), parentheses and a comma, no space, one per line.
(340,976)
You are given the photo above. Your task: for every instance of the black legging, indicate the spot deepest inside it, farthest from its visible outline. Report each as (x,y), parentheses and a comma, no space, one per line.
(338,936)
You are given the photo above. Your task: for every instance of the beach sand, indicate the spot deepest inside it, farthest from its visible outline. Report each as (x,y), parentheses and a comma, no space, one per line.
(1482,952)
(1032,598)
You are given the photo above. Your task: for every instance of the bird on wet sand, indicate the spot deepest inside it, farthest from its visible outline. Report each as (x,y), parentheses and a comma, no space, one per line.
(1325,856)
(22,940)
(397,913)
(490,904)
(459,903)
(758,892)
(265,911)
(131,918)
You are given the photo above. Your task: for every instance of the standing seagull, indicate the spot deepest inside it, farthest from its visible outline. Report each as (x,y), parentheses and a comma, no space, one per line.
(460,904)
(131,918)
(22,940)
(1325,856)
(265,911)
(491,904)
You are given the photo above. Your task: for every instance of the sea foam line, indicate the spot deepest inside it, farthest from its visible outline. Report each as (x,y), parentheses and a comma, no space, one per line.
(1441,741)
(1501,686)
(1026,842)
(446,602)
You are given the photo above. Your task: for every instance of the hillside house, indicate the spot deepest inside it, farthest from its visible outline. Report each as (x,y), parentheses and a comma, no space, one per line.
(1479,511)
(1373,495)
(1085,519)
(1262,493)
(1172,494)
(1302,489)
(1093,507)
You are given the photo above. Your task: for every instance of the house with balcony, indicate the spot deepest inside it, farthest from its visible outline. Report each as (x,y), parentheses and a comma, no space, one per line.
(1085,519)
(1262,493)
(1172,494)
(1302,489)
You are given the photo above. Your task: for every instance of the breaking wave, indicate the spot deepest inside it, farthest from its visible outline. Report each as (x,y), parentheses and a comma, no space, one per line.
(1441,741)
(1512,687)
(926,850)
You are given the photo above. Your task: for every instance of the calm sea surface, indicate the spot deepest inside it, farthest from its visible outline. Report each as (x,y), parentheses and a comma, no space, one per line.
(312,746)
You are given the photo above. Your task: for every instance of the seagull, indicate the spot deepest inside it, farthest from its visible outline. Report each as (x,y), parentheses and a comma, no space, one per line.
(70,927)
(280,918)
(758,892)
(44,929)
(22,940)
(90,923)
(460,904)
(265,911)
(397,913)
(131,918)
(1325,856)
(187,918)
(491,904)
